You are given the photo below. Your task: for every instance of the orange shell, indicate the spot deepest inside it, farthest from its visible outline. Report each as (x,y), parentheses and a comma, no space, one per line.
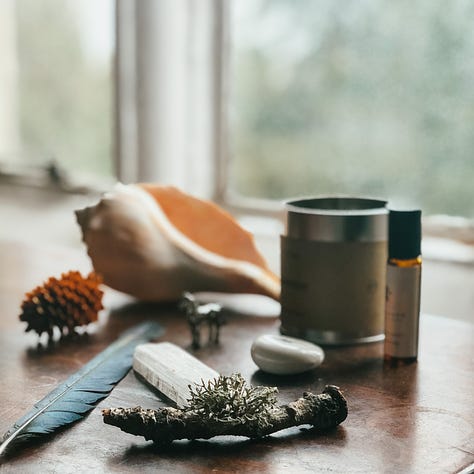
(155,242)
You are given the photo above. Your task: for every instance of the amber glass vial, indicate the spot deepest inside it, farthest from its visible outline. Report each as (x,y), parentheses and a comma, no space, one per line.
(402,306)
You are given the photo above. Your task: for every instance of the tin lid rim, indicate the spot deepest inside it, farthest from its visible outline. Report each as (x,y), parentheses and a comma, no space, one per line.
(354,206)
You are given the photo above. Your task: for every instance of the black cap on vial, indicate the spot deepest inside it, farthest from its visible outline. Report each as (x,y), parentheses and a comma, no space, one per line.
(404,234)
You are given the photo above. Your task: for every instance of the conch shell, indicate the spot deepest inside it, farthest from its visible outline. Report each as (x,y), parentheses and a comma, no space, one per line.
(154,242)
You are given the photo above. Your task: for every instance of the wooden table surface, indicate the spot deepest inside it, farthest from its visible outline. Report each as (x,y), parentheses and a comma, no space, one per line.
(417,418)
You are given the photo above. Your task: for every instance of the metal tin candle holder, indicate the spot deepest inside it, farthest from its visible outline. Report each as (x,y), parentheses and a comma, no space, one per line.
(333,266)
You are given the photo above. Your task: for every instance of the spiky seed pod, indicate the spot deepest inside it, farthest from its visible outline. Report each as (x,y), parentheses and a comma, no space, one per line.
(65,303)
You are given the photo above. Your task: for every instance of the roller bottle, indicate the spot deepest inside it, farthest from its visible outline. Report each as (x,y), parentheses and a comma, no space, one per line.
(402,308)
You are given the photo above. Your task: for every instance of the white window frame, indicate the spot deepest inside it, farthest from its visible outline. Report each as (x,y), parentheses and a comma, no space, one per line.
(166,123)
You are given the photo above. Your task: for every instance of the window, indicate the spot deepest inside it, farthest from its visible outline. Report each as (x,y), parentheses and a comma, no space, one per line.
(259,98)
(56,84)
(348,97)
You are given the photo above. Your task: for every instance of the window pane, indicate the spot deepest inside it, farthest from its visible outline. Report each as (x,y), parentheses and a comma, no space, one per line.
(354,97)
(57,72)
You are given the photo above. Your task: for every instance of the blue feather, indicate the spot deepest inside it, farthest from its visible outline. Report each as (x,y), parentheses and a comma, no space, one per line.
(75,397)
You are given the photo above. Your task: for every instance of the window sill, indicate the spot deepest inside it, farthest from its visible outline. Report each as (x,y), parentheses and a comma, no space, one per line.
(434,247)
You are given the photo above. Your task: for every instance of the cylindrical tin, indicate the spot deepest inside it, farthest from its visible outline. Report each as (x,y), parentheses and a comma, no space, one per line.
(333,265)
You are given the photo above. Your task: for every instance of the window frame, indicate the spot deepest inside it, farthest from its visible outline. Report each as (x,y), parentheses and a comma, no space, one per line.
(159,112)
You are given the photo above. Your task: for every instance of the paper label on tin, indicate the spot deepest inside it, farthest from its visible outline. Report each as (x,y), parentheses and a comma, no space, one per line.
(333,288)
(402,311)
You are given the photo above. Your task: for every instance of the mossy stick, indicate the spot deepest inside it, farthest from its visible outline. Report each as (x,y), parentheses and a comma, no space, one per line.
(323,411)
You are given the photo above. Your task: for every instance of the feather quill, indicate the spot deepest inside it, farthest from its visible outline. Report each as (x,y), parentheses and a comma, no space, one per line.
(74,398)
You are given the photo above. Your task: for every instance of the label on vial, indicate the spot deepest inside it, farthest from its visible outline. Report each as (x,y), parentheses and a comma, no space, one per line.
(402,311)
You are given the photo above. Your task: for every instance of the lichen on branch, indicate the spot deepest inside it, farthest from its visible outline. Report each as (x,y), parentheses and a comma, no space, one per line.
(226,406)
(229,399)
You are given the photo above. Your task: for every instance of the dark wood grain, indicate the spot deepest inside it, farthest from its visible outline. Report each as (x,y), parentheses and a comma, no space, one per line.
(417,418)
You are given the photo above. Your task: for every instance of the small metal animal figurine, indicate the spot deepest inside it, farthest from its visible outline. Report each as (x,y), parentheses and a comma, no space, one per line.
(198,314)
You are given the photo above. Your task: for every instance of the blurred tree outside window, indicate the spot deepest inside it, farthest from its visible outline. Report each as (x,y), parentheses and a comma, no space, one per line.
(368,97)
(56,70)
(326,97)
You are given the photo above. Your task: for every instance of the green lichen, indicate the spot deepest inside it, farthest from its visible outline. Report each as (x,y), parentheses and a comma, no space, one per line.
(230,399)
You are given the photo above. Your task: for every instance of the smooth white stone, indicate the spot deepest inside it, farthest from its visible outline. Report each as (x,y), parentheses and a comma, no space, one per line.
(284,355)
